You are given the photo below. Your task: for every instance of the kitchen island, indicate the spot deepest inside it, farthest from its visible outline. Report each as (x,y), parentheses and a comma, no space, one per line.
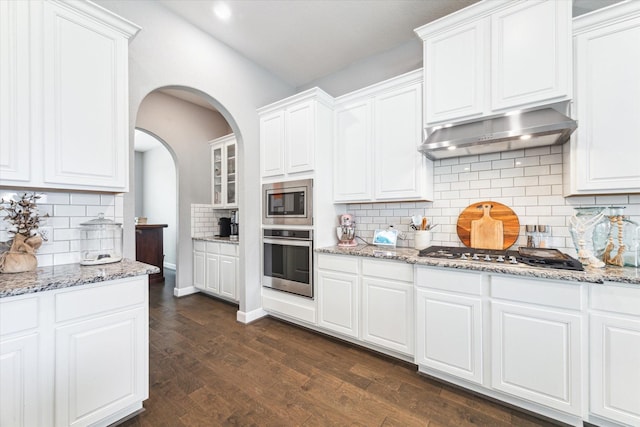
(74,344)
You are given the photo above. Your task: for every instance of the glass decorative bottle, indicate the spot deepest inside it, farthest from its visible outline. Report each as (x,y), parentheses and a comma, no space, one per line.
(589,227)
(622,239)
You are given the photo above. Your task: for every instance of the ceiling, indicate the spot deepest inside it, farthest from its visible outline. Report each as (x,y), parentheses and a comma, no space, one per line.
(304,40)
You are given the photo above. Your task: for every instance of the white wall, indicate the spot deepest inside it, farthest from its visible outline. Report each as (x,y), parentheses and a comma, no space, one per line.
(169,52)
(138,182)
(159,197)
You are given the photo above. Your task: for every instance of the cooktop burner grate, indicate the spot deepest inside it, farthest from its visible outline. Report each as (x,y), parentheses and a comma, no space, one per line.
(538,257)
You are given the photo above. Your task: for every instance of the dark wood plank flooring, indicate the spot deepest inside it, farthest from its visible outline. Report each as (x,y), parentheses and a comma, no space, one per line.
(206,369)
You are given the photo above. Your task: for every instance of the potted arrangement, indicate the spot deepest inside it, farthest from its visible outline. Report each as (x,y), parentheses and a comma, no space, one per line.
(25,220)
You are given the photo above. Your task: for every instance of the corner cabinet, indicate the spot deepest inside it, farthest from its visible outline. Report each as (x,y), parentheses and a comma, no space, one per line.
(377,133)
(224,161)
(604,151)
(494,56)
(64,121)
(293,132)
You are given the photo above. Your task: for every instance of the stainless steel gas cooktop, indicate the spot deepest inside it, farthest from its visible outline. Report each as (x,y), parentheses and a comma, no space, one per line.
(538,257)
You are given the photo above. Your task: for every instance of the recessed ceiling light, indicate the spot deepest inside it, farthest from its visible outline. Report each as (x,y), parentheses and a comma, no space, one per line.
(222,11)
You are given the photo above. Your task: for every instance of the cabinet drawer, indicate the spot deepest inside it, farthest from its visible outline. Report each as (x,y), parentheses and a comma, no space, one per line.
(617,299)
(18,315)
(199,245)
(544,292)
(343,263)
(451,281)
(388,270)
(213,247)
(228,249)
(77,303)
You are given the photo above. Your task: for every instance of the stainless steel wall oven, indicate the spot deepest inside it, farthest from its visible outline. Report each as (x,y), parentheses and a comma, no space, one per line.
(288,203)
(288,261)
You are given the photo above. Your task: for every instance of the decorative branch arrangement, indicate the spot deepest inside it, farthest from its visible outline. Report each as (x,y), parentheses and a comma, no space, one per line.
(22,214)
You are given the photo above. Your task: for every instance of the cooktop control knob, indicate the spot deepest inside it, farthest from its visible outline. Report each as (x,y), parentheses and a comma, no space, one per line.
(500,258)
(463,256)
(513,260)
(475,257)
(487,258)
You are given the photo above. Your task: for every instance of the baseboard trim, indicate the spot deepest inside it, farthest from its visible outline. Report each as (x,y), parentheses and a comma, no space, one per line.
(251,316)
(183,292)
(169,266)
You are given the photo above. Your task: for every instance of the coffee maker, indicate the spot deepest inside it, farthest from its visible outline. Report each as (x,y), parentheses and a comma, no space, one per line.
(346,231)
(234,226)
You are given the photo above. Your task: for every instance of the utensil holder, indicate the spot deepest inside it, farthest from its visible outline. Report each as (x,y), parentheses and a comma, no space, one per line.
(422,239)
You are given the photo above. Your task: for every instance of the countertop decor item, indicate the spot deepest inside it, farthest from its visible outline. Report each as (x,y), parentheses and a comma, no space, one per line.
(623,245)
(588,226)
(24,218)
(101,241)
(488,225)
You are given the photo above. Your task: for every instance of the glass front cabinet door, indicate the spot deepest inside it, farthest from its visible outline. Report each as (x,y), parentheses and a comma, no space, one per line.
(223,172)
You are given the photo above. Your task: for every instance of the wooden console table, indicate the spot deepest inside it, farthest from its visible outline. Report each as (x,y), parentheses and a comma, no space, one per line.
(149,248)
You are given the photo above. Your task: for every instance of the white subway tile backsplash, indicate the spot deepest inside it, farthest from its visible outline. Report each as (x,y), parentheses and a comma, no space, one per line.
(85,199)
(69,210)
(481,166)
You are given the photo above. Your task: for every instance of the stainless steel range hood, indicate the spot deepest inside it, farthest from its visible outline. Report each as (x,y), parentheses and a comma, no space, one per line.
(512,131)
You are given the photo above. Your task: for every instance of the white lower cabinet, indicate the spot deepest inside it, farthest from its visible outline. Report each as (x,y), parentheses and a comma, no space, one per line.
(77,356)
(536,341)
(451,299)
(369,300)
(338,297)
(615,354)
(215,268)
(19,362)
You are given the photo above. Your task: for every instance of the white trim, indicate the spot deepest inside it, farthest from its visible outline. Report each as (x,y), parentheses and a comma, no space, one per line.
(244,317)
(169,266)
(183,292)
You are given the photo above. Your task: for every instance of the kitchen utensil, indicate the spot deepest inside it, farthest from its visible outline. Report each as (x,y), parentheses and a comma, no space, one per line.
(346,231)
(423,225)
(496,212)
(487,232)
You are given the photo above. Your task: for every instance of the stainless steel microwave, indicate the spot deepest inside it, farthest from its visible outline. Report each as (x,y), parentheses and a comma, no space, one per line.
(288,203)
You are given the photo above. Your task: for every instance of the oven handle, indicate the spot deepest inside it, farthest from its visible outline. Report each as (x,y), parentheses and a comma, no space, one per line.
(287,242)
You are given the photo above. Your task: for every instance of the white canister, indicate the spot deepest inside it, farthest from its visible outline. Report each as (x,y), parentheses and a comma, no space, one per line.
(422,239)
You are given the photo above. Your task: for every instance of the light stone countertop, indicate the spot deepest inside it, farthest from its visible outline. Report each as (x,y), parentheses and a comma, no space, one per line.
(67,275)
(218,240)
(630,275)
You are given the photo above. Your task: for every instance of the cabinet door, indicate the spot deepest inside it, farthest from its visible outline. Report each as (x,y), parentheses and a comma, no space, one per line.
(15,142)
(608,104)
(85,65)
(217,172)
(230,195)
(300,137)
(352,153)
(19,401)
(387,314)
(338,302)
(212,278)
(199,269)
(455,65)
(398,166)
(111,351)
(449,334)
(228,279)
(531,53)
(536,355)
(615,375)
(272,144)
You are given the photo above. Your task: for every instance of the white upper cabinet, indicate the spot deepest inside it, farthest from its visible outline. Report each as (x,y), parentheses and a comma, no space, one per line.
(377,134)
(292,131)
(604,151)
(77,71)
(494,56)
(223,172)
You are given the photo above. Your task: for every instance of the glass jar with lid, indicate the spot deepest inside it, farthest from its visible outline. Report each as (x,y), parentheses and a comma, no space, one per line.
(622,240)
(101,241)
(589,228)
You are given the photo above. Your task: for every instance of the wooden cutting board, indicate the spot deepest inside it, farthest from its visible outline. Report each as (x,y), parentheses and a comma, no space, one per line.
(488,225)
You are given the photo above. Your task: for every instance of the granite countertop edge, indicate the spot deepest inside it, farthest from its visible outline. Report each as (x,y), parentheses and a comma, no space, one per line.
(217,240)
(628,275)
(64,276)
